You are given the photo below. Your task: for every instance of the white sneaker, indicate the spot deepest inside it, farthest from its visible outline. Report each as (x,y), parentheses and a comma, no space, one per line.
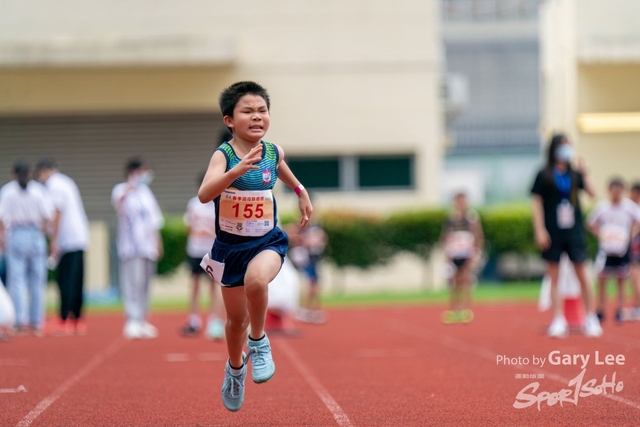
(303,315)
(132,330)
(592,326)
(559,328)
(148,331)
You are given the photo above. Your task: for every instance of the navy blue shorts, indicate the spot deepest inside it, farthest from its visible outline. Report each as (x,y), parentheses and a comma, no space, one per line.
(237,257)
(311,269)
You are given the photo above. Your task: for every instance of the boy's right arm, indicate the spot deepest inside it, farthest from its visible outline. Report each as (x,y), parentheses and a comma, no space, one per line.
(217,179)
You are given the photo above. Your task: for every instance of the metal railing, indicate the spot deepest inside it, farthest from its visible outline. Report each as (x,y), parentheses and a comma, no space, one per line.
(496,138)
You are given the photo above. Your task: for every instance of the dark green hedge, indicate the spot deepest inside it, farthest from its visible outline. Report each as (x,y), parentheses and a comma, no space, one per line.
(363,241)
(174,237)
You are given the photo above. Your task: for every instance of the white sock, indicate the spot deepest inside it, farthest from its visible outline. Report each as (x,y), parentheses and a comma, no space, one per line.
(194,321)
(235,371)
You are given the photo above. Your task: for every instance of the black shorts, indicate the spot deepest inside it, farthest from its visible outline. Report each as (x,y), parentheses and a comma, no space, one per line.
(194,266)
(459,262)
(616,266)
(573,244)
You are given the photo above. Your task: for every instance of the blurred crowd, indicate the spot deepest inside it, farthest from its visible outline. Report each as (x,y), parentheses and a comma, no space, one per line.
(43,226)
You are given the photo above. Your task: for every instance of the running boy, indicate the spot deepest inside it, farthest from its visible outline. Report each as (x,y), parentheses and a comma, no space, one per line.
(463,239)
(249,248)
(200,220)
(611,221)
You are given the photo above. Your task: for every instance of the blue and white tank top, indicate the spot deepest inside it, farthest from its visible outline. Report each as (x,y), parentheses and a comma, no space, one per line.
(248,212)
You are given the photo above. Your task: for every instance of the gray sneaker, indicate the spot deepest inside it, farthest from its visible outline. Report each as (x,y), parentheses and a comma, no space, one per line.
(233,387)
(262,366)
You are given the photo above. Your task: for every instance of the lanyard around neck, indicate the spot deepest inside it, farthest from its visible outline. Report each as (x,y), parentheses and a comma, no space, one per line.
(563,182)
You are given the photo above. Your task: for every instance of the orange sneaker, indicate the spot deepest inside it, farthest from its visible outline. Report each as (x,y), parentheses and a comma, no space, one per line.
(81,327)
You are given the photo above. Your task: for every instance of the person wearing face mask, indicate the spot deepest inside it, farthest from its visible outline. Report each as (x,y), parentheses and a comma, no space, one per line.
(139,245)
(559,228)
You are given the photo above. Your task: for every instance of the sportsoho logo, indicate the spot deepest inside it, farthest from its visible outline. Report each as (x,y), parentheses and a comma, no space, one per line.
(577,388)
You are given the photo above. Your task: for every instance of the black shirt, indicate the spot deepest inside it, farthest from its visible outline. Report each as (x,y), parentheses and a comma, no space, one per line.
(545,186)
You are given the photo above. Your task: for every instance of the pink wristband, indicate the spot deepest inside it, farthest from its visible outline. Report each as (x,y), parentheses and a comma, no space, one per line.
(298,189)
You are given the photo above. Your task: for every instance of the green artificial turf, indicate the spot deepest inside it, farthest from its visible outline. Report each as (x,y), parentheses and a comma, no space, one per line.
(483,293)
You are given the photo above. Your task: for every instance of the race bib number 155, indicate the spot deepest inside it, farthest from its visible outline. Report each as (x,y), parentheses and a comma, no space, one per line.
(246,213)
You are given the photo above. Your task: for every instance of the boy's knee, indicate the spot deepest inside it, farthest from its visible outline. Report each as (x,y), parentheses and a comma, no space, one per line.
(255,286)
(238,323)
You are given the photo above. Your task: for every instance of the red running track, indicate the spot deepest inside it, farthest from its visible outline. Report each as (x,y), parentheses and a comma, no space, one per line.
(365,367)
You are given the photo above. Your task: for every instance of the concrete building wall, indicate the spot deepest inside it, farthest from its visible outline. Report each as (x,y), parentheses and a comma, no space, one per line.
(590,67)
(346,78)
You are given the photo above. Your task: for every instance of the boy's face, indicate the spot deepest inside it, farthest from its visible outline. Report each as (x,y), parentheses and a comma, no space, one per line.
(250,120)
(635,196)
(615,192)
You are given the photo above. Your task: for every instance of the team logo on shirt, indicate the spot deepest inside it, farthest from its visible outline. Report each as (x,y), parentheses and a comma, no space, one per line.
(239,226)
(266,176)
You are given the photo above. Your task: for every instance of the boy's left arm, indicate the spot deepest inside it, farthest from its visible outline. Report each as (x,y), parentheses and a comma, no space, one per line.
(289,179)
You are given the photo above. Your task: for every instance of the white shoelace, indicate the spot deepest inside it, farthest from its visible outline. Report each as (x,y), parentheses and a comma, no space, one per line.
(232,385)
(259,354)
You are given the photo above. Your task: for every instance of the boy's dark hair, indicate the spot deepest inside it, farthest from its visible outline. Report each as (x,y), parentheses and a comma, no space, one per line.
(230,96)
(133,164)
(22,170)
(616,182)
(635,186)
(47,163)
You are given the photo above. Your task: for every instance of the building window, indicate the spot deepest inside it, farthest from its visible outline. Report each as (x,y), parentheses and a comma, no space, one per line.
(317,173)
(354,173)
(388,171)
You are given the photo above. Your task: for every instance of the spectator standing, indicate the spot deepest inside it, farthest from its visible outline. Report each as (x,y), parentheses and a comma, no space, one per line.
(612,221)
(311,241)
(634,196)
(68,250)
(462,238)
(139,245)
(200,219)
(559,228)
(25,213)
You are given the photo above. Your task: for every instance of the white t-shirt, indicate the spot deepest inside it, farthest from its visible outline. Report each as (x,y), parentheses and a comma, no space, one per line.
(615,223)
(73,228)
(201,219)
(139,219)
(29,207)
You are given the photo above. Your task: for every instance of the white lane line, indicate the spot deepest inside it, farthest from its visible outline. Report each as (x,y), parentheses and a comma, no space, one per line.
(13,390)
(335,409)
(379,353)
(70,382)
(14,362)
(456,344)
(176,357)
(211,357)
